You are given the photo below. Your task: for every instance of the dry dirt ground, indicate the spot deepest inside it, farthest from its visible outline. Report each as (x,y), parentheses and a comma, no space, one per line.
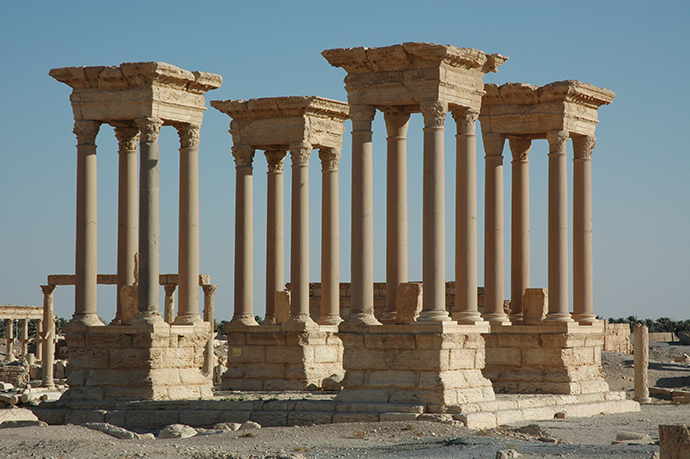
(574,437)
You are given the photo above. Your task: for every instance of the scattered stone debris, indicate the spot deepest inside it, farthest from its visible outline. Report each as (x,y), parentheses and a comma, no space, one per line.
(507,454)
(177,431)
(624,437)
(249,425)
(229,426)
(22,423)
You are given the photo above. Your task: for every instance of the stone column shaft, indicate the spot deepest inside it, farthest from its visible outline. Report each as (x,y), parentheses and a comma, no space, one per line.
(433,226)
(9,338)
(362,251)
(188,253)
(48,336)
(493,231)
(169,310)
(558,228)
(583,277)
(465,310)
(39,340)
(520,238)
(209,316)
(275,232)
(330,238)
(149,218)
(641,358)
(396,209)
(244,240)
(127,211)
(25,337)
(86,266)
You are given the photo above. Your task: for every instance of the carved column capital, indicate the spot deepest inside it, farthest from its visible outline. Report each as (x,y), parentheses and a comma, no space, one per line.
(48,289)
(150,128)
(466,120)
(300,153)
(170,289)
(127,138)
(275,160)
(493,144)
(330,157)
(362,113)
(558,140)
(244,155)
(189,134)
(434,112)
(209,289)
(86,131)
(520,148)
(583,146)
(396,123)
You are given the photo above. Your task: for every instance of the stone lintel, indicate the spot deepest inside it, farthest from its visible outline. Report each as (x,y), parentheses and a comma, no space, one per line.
(530,111)
(135,90)
(21,312)
(549,327)
(275,122)
(414,328)
(111,279)
(410,73)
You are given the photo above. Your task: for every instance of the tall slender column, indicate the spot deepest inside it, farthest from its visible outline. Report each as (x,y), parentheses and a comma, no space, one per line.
(275,232)
(169,309)
(86,266)
(39,340)
(330,274)
(362,305)
(396,209)
(9,338)
(558,227)
(149,219)
(209,356)
(519,243)
(434,221)
(299,241)
(126,211)
(583,278)
(493,230)
(25,337)
(48,336)
(244,240)
(465,310)
(188,254)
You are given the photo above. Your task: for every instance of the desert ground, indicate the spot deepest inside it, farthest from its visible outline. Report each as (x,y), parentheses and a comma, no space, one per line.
(589,437)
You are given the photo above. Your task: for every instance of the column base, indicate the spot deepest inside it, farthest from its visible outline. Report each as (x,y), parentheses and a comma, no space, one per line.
(433,316)
(586,319)
(358,320)
(389,317)
(188,319)
(558,317)
(467,318)
(496,318)
(330,319)
(516,319)
(299,322)
(247,320)
(90,319)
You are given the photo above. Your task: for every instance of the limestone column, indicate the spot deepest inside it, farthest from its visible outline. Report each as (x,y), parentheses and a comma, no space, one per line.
(641,358)
(25,337)
(169,310)
(48,336)
(493,231)
(86,266)
(465,310)
(558,228)
(299,240)
(244,240)
(433,224)
(149,218)
(330,238)
(275,232)
(362,249)
(396,209)
(126,211)
(520,239)
(39,340)
(9,338)
(209,316)
(583,278)
(188,252)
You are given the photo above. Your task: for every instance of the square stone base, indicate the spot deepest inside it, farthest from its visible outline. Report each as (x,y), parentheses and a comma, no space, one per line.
(548,358)
(142,361)
(268,357)
(433,364)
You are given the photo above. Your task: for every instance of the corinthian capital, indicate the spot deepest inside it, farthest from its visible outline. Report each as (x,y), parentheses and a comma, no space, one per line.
(189,135)
(86,131)
(150,128)
(127,138)
(466,120)
(493,144)
(434,112)
(300,153)
(244,155)
(330,157)
(275,160)
(362,113)
(558,140)
(583,146)
(520,149)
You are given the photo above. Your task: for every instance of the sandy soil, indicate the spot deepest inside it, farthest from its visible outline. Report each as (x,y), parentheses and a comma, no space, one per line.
(589,437)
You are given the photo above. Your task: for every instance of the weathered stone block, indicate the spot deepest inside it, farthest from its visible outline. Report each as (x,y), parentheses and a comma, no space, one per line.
(270,418)
(200,418)
(463,359)
(79,417)
(366,359)
(409,302)
(126,359)
(503,356)
(246,354)
(258,338)
(541,356)
(355,417)
(107,378)
(129,393)
(265,371)
(149,419)
(394,378)
(108,341)
(89,358)
(284,354)
(389,341)
(421,360)
(535,305)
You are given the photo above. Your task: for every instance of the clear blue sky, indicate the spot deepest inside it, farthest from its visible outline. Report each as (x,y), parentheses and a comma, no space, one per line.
(641,165)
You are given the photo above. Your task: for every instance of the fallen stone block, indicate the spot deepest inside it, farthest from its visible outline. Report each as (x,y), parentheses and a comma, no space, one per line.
(624,437)
(177,431)
(114,431)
